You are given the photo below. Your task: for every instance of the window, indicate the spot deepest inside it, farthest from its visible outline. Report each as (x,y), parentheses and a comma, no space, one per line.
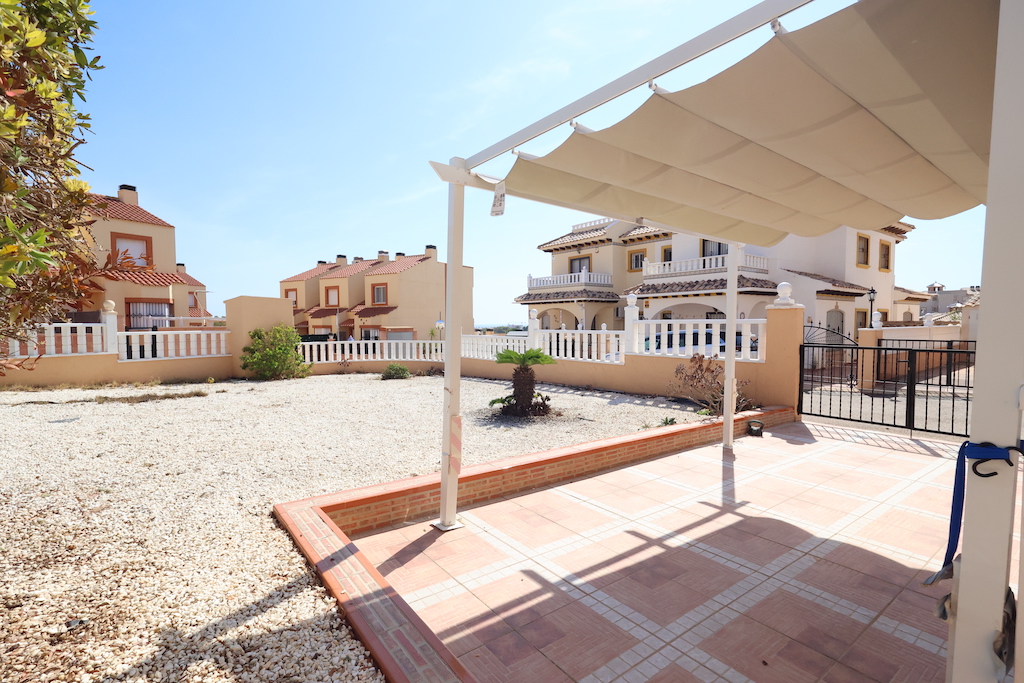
(138,248)
(579,264)
(861,319)
(885,314)
(863,250)
(666,253)
(370,334)
(712,248)
(321,330)
(192,302)
(884,256)
(293,296)
(380,295)
(636,259)
(144,314)
(331,296)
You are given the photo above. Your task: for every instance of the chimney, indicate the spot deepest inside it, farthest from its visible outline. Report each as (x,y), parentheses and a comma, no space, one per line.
(357,259)
(431,251)
(383,256)
(341,260)
(128,194)
(180,268)
(399,254)
(320,263)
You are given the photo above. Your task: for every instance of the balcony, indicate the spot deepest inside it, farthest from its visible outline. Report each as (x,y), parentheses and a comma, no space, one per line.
(584,279)
(704,265)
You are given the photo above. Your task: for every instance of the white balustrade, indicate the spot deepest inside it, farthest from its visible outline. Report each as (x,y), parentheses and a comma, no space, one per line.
(597,346)
(686,338)
(749,262)
(366,350)
(567,279)
(486,347)
(59,339)
(140,345)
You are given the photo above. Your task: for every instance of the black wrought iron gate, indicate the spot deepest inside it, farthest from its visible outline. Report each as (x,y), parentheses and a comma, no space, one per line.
(921,385)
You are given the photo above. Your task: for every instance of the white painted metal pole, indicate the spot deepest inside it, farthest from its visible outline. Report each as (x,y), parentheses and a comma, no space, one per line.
(455,296)
(996,416)
(732,282)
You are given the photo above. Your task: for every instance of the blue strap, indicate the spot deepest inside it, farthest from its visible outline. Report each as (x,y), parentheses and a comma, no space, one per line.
(974,451)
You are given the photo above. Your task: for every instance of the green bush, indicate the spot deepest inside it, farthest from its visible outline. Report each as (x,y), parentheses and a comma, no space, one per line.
(395,371)
(273,354)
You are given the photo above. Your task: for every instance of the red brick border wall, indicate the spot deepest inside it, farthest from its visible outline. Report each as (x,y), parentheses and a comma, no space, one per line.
(373,507)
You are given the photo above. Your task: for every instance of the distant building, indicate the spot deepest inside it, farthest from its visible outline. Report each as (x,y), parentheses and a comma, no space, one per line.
(376,298)
(145,297)
(941,299)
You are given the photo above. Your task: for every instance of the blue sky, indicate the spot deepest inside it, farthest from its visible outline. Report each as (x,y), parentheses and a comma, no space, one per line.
(273,135)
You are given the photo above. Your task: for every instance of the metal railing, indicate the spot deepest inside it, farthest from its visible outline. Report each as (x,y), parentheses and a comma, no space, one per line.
(928,390)
(355,351)
(749,263)
(567,279)
(137,346)
(930,344)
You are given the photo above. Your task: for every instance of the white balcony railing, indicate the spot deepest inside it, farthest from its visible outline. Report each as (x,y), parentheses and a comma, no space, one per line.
(695,266)
(570,279)
(486,347)
(685,338)
(135,346)
(59,339)
(348,351)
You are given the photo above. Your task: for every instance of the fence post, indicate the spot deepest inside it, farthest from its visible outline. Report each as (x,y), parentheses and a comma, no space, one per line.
(631,316)
(109,318)
(533,330)
(911,422)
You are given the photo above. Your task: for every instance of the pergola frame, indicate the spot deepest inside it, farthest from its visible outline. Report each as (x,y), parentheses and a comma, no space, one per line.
(989,506)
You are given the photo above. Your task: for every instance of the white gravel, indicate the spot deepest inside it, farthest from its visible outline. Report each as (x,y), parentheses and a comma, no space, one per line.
(137,542)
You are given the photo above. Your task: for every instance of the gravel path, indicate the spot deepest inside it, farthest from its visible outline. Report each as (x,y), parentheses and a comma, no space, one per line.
(138,542)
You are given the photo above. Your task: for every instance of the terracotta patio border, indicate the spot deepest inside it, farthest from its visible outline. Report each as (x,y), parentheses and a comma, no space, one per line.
(405,649)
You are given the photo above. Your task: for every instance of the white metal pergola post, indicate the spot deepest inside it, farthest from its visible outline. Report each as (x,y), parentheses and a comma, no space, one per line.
(999,374)
(451,434)
(732,261)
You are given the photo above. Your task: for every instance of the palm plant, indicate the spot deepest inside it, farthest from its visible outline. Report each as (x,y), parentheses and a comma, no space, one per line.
(524,382)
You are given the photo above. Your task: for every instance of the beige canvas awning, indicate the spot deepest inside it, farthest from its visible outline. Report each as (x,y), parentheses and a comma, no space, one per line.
(878,111)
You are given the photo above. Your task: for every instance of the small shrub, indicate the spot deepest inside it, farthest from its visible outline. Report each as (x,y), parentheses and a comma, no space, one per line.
(705,412)
(395,371)
(541,405)
(668,422)
(702,382)
(273,354)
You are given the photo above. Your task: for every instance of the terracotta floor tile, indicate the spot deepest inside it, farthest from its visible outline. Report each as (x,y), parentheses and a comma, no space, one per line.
(464,555)
(852,456)
(936,499)
(867,484)
(887,659)
(746,545)
(576,640)
(775,530)
(463,623)
(917,610)
(765,655)
(521,597)
(659,491)
(873,564)
(659,599)
(599,565)
(578,518)
(812,472)
(591,488)
(620,479)
(909,532)
(542,501)
(524,525)
(628,502)
(860,589)
(413,575)
(805,512)
(819,628)
(698,520)
(840,673)
(486,664)
(904,466)
(662,467)
(831,499)
(673,673)
(702,574)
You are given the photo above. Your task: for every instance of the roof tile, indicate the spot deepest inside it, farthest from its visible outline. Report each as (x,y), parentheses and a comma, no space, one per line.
(116,209)
(835,282)
(569,295)
(401,265)
(149,278)
(712,285)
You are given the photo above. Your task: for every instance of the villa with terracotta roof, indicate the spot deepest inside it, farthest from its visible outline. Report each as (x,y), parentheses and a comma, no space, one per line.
(163,289)
(680,276)
(381,298)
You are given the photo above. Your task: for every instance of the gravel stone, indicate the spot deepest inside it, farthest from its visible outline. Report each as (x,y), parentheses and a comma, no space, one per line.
(138,540)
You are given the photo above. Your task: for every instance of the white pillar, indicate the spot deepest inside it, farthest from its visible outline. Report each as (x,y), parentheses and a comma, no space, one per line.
(109,318)
(455,296)
(631,316)
(731,313)
(533,331)
(996,417)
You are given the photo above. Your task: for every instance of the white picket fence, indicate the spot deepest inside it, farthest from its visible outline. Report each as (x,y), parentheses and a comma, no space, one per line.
(685,338)
(60,339)
(486,347)
(339,351)
(139,346)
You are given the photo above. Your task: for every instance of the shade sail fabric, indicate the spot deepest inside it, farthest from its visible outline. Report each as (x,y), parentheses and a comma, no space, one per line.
(880,111)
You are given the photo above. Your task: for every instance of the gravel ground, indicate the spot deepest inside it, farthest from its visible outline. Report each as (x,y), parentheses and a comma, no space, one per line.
(138,542)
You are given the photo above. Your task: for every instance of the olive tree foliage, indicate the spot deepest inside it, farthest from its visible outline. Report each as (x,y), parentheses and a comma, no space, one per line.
(45,258)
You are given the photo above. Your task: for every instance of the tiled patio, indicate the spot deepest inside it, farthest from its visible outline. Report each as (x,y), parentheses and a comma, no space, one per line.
(797,559)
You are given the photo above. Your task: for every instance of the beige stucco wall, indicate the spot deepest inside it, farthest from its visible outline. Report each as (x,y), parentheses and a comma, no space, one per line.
(419,295)
(104,368)
(247,313)
(162,236)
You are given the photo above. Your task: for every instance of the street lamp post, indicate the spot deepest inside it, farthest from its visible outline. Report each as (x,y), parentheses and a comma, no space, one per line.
(871,305)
